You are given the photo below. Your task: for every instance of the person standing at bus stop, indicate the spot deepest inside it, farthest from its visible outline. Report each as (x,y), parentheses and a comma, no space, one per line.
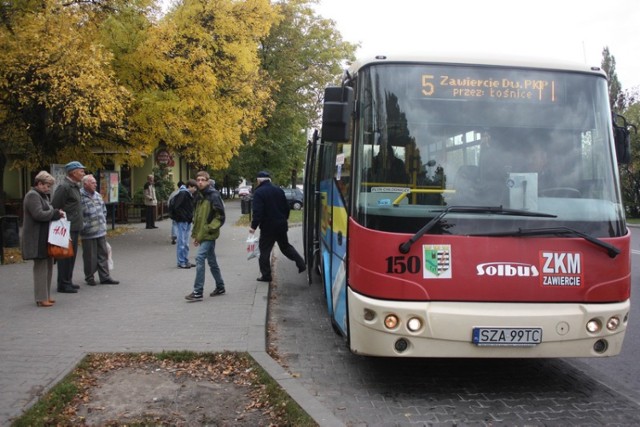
(38,214)
(150,202)
(182,215)
(67,197)
(95,253)
(271,214)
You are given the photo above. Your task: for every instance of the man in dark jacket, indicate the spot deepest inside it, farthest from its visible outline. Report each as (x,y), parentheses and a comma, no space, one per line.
(271,214)
(67,197)
(182,215)
(209,216)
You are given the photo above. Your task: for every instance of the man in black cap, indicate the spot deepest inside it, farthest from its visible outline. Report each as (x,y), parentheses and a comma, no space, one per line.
(271,214)
(67,197)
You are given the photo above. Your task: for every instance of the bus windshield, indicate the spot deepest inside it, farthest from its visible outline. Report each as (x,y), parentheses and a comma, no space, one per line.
(428,137)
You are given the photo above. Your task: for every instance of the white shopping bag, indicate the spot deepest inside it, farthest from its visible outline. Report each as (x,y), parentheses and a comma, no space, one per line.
(253,250)
(110,256)
(60,232)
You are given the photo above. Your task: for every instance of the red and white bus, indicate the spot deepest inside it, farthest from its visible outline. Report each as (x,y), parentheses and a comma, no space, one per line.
(456,208)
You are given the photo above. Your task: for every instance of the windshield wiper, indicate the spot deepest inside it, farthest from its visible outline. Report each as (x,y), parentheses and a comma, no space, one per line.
(499,210)
(612,251)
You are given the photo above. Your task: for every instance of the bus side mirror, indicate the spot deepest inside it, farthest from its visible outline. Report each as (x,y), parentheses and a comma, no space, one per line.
(623,144)
(336,113)
(622,139)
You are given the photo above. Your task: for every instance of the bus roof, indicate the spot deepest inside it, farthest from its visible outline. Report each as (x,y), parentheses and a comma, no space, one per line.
(475,59)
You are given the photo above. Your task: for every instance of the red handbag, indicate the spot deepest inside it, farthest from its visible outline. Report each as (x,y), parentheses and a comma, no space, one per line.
(58,252)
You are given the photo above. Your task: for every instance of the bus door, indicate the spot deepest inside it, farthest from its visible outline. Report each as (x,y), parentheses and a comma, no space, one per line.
(312,208)
(333,179)
(334,182)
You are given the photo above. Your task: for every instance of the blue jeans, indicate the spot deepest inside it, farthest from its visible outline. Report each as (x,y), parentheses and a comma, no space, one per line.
(182,230)
(174,229)
(207,251)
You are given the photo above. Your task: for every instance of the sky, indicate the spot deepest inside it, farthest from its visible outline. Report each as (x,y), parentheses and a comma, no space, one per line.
(567,30)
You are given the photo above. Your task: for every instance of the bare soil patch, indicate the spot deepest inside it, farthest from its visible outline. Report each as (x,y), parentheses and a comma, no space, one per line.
(121,389)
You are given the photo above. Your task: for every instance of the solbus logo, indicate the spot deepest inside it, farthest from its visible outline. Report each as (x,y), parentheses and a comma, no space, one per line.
(507,269)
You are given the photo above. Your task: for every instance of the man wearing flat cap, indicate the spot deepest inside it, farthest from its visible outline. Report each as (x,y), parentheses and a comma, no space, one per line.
(271,214)
(67,197)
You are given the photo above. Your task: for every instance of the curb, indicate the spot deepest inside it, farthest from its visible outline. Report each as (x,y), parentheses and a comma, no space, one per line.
(257,350)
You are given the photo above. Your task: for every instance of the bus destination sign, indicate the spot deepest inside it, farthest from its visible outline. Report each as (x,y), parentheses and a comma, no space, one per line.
(484,85)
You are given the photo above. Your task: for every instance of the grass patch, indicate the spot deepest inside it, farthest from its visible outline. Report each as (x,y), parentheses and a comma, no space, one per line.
(295,415)
(228,370)
(50,409)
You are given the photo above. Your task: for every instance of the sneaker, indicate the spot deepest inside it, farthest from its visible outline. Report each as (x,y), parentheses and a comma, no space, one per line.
(173,240)
(217,291)
(193,297)
(184,266)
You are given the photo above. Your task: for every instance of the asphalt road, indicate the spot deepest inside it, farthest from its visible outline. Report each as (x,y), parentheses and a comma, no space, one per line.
(623,371)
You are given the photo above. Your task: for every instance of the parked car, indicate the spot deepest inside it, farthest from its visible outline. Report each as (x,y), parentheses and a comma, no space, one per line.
(294,197)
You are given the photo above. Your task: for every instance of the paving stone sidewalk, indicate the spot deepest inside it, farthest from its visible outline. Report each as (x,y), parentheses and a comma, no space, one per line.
(146,312)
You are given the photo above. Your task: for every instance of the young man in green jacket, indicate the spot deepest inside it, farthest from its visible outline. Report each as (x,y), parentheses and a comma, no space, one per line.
(208,218)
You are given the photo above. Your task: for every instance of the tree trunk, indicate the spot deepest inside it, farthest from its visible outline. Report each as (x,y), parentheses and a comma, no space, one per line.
(3,163)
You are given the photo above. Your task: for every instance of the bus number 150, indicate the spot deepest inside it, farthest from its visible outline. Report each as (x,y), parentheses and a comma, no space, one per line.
(400,265)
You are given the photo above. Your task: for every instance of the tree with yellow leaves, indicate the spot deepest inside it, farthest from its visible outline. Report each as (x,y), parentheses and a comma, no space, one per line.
(59,98)
(199,88)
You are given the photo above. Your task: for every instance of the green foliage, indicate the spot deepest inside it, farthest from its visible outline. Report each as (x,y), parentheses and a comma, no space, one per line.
(123,193)
(49,409)
(138,197)
(626,103)
(630,174)
(615,89)
(302,54)
(163,184)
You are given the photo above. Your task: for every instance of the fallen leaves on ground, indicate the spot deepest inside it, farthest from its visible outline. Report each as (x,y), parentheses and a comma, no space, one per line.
(246,401)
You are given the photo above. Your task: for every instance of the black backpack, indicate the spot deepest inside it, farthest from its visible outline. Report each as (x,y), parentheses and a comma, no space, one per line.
(172,206)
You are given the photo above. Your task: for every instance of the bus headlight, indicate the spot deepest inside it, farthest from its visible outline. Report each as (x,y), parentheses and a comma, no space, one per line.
(414,324)
(613,323)
(594,326)
(391,321)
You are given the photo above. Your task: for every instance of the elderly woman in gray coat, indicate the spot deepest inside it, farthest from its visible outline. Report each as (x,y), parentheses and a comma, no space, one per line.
(38,213)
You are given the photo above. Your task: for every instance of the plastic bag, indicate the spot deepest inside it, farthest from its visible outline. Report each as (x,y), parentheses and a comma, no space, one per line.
(109,256)
(253,251)
(59,233)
